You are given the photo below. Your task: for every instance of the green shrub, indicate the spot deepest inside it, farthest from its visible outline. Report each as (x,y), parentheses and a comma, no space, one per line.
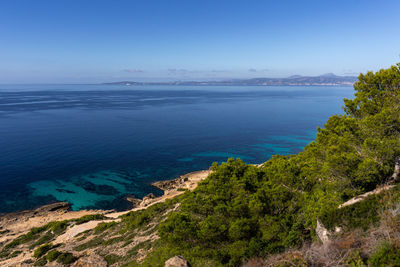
(5,253)
(53,255)
(363,214)
(33,234)
(91,217)
(91,243)
(111,258)
(101,227)
(57,227)
(15,253)
(386,255)
(42,250)
(140,218)
(66,258)
(48,236)
(40,262)
(355,259)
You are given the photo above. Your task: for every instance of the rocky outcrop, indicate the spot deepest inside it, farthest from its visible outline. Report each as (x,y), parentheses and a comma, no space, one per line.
(134,200)
(169,184)
(322,232)
(147,200)
(149,196)
(183,182)
(396,171)
(58,206)
(177,261)
(90,260)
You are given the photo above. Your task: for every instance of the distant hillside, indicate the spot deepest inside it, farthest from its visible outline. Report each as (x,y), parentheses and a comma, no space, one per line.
(328,79)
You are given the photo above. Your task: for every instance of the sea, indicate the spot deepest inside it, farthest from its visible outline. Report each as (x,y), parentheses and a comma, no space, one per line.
(94,145)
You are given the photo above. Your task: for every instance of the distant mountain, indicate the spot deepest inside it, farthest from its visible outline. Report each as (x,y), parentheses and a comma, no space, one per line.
(327,79)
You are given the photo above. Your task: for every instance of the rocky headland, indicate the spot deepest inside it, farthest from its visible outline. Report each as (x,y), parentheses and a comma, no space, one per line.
(15,225)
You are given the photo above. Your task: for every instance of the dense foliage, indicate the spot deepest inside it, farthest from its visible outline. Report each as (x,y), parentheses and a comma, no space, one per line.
(242,211)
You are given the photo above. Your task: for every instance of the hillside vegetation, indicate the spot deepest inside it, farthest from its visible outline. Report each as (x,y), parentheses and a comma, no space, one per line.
(243,211)
(267,215)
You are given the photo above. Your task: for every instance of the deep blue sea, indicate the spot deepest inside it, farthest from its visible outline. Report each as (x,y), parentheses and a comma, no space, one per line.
(92,145)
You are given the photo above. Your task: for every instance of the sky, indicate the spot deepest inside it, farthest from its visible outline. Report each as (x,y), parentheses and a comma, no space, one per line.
(83,41)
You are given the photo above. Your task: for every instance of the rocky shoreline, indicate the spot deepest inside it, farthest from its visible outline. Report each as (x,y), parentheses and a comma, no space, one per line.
(171,188)
(15,224)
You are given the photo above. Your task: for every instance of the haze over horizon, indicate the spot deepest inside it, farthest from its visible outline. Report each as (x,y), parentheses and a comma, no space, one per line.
(95,41)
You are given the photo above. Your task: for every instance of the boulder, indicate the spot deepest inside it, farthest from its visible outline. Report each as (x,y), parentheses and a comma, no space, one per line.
(168,184)
(177,261)
(149,196)
(322,233)
(134,200)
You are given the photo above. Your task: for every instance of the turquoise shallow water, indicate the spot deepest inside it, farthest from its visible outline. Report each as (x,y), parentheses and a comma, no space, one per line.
(92,145)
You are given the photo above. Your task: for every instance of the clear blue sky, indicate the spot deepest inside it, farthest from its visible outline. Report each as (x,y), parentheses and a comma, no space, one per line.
(94,41)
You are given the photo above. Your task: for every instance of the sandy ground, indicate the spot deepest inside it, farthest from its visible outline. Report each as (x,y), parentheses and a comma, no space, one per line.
(77,229)
(20,223)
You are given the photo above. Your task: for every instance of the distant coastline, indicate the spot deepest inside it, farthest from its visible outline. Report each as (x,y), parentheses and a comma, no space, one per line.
(328,79)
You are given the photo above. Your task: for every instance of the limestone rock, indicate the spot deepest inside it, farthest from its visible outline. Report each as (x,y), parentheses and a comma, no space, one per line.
(134,200)
(177,261)
(90,261)
(53,264)
(149,196)
(322,232)
(53,207)
(396,171)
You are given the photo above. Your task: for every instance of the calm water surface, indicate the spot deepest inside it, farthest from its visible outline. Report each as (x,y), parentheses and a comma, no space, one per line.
(92,145)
